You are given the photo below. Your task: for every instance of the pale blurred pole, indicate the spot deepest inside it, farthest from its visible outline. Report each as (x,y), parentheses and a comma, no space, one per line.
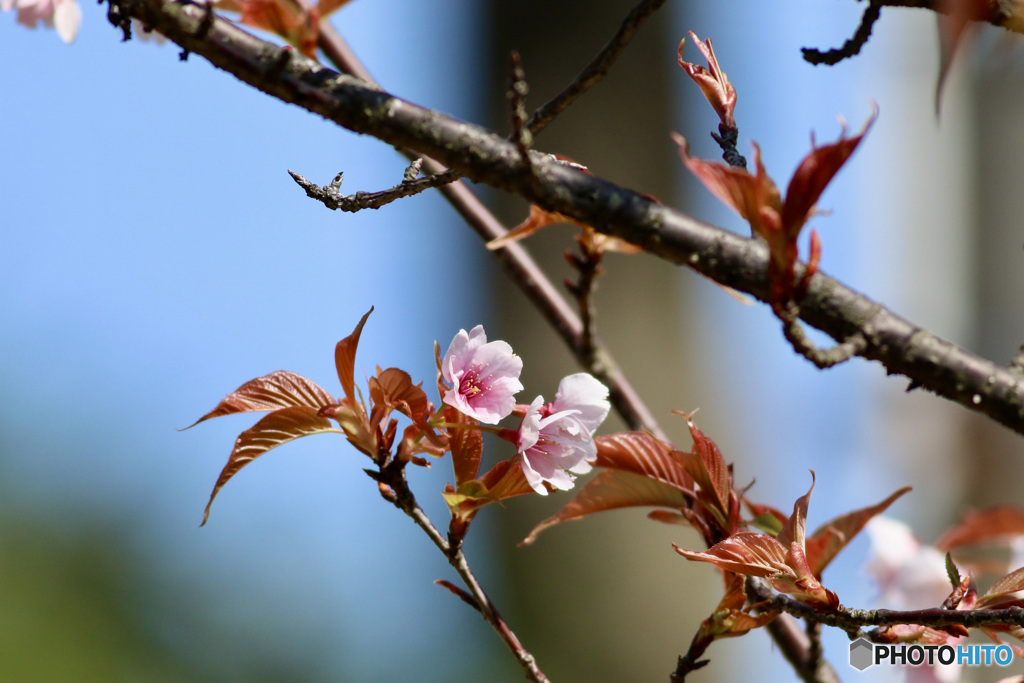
(997,95)
(604,599)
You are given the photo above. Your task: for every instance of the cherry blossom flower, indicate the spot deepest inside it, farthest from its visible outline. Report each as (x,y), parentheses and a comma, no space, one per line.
(63,15)
(484,376)
(909,574)
(556,440)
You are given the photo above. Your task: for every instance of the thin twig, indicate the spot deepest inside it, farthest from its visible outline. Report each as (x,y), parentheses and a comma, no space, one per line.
(588,263)
(852,46)
(521,135)
(727,137)
(794,333)
(392,476)
(854,620)
(330,196)
(596,70)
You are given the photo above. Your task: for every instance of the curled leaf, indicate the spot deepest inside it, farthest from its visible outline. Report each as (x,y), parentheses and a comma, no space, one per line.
(345,358)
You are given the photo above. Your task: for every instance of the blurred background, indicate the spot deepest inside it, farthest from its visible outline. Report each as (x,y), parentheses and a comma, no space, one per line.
(156,255)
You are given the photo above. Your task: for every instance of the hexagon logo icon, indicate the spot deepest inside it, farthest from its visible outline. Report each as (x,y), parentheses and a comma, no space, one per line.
(862,654)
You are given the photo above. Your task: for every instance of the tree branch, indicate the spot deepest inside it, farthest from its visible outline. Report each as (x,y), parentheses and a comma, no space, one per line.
(395,489)
(901,347)
(995,12)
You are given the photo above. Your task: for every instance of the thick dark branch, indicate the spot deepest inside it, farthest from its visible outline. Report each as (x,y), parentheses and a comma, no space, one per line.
(484,157)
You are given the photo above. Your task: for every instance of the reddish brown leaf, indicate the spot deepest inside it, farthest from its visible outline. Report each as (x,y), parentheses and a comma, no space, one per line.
(751,196)
(708,468)
(537,219)
(345,358)
(746,552)
(507,480)
(467,445)
(643,454)
(611,489)
(1005,588)
(801,583)
(813,174)
(991,525)
(398,392)
(326,7)
(465,501)
(281,389)
(279,427)
(669,517)
(831,537)
(794,530)
(296,22)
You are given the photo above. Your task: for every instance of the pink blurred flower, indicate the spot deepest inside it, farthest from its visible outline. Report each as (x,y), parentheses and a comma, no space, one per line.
(909,574)
(484,376)
(556,440)
(63,15)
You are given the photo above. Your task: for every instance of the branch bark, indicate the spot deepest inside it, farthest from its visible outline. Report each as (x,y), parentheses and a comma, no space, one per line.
(482,156)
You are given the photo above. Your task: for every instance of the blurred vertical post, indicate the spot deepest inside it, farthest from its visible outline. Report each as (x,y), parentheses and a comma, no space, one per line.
(605,599)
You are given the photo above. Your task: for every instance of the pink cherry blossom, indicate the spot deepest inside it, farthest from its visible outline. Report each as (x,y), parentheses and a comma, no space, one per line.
(484,376)
(64,15)
(556,440)
(909,574)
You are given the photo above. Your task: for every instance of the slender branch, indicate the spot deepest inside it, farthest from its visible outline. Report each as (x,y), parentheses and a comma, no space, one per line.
(852,46)
(588,263)
(822,358)
(995,12)
(854,620)
(727,137)
(395,489)
(521,135)
(331,197)
(596,70)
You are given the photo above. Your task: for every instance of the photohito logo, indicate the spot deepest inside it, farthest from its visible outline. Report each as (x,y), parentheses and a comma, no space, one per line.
(864,654)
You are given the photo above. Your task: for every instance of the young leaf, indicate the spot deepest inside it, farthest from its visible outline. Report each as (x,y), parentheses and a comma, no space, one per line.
(507,480)
(830,538)
(467,445)
(708,468)
(280,426)
(993,524)
(397,391)
(281,389)
(345,358)
(814,173)
(611,489)
(1005,591)
(952,572)
(794,530)
(745,552)
(643,454)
